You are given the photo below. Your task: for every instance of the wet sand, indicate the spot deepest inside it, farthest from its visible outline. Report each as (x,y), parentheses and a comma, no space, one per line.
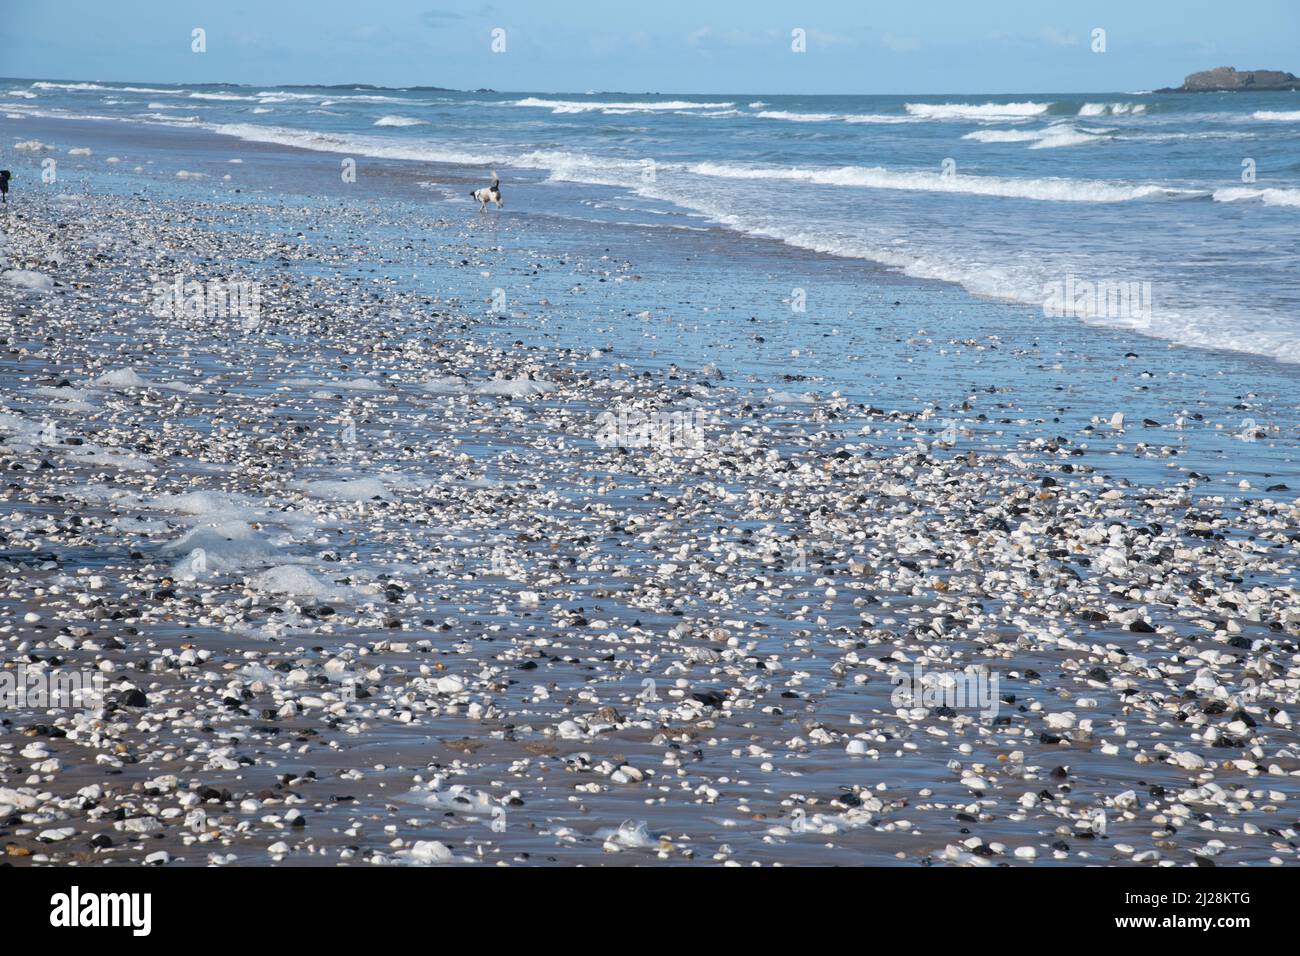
(370,583)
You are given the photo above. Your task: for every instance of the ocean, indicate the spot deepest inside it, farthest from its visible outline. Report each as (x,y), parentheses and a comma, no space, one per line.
(1189,202)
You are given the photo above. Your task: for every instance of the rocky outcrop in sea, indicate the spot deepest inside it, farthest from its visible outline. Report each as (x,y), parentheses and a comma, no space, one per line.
(1224,79)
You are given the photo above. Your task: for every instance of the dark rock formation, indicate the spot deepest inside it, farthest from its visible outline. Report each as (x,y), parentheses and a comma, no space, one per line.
(1228,79)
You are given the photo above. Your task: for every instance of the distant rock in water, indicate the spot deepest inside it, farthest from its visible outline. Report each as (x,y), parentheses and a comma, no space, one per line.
(1227,79)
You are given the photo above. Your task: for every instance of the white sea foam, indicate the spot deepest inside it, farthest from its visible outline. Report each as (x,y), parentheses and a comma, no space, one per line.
(168,118)
(881,118)
(125,378)
(56,113)
(371,98)
(445,385)
(627,836)
(1003,135)
(356,144)
(223,546)
(1270,197)
(28,279)
(798,117)
(1023,281)
(221,97)
(983,112)
(285,96)
(346,489)
(1063,134)
(209,504)
(792,117)
(400,121)
(1049,137)
(584,106)
(1047,189)
(429,853)
(582,167)
(47,85)
(295,581)
(1112,109)
(74,398)
(1292,116)
(515,387)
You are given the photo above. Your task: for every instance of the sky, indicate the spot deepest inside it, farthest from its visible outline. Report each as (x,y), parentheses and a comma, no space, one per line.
(668,46)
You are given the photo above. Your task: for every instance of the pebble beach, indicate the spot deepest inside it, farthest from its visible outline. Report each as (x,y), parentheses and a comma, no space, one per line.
(500,540)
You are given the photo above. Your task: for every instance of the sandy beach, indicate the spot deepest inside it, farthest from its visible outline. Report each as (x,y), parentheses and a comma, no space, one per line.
(448,539)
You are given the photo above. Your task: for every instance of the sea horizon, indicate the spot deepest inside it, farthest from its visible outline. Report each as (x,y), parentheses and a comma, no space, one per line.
(892,175)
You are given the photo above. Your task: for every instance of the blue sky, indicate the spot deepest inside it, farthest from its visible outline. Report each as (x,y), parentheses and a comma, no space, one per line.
(671,46)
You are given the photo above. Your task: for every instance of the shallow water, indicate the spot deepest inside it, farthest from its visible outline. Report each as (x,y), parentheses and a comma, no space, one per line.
(489,498)
(1196,195)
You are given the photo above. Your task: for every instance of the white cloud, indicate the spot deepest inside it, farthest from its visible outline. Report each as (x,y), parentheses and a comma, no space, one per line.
(900,44)
(1055,37)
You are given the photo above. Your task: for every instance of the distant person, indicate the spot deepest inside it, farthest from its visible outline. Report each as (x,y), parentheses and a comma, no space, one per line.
(4,185)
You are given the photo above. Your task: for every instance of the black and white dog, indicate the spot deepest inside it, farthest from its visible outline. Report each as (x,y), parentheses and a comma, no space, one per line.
(489,194)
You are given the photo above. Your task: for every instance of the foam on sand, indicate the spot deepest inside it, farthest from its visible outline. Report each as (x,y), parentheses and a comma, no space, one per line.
(347,489)
(208,504)
(430,853)
(77,399)
(296,581)
(626,836)
(219,546)
(445,385)
(121,378)
(28,279)
(515,387)
(127,378)
(790,398)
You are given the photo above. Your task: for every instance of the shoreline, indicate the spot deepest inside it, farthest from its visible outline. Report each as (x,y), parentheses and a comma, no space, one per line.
(410,174)
(772,581)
